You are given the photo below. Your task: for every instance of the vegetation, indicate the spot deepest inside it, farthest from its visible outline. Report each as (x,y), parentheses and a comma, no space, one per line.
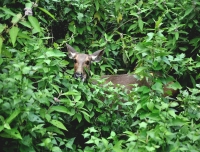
(44,109)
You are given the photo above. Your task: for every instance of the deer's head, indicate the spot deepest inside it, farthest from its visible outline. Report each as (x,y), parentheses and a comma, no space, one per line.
(82,61)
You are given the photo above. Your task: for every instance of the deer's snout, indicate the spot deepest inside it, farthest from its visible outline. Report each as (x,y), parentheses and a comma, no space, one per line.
(78,75)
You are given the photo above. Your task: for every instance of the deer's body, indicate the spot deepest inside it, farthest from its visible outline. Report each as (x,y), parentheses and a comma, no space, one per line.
(82,65)
(125,79)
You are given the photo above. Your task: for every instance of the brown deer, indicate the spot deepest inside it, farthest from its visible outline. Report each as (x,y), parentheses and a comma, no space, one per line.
(82,65)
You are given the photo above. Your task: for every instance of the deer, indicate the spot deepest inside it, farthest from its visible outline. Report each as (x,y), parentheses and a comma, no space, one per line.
(82,66)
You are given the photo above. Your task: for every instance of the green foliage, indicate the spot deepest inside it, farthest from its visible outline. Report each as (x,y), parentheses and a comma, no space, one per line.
(44,109)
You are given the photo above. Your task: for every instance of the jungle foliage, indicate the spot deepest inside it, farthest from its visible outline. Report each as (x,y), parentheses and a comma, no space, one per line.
(43,108)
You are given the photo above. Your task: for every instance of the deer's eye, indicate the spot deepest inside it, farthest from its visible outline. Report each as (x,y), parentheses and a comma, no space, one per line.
(75,61)
(87,62)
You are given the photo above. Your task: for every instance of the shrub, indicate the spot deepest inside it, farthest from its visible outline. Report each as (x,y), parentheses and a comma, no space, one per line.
(44,109)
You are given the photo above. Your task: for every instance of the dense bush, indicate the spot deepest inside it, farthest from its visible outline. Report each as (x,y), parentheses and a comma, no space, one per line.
(44,109)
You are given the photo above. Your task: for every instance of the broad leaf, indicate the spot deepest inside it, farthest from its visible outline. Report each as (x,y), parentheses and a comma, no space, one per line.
(2,27)
(26,24)
(61,109)
(140,69)
(1,43)
(7,11)
(141,24)
(11,133)
(16,18)
(47,12)
(150,105)
(58,124)
(96,4)
(55,130)
(13,116)
(13,34)
(172,113)
(158,87)
(150,36)
(35,24)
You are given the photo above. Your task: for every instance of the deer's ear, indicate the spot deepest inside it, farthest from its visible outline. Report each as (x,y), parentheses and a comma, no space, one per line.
(96,56)
(71,51)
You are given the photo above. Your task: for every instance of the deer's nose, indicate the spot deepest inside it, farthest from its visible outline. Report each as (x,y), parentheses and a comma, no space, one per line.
(78,75)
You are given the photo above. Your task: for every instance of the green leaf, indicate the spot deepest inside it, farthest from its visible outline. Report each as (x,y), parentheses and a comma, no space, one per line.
(140,69)
(13,116)
(56,149)
(55,53)
(86,116)
(183,48)
(16,18)
(158,23)
(1,128)
(11,133)
(55,130)
(72,27)
(105,142)
(80,16)
(154,117)
(188,11)
(52,53)
(118,146)
(58,124)
(47,12)
(1,43)
(70,143)
(66,10)
(172,113)
(164,105)
(7,11)
(34,118)
(26,70)
(72,92)
(96,2)
(2,27)
(26,24)
(141,24)
(29,5)
(150,105)
(178,122)
(131,135)
(158,87)
(150,36)
(13,34)
(165,59)
(127,103)
(144,89)
(175,85)
(7,126)
(176,35)
(150,148)
(23,35)
(48,117)
(193,80)
(61,109)
(193,137)
(1,61)
(119,17)
(35,24)
(27,141)
(197,65)
(132,27)
(143,125)
(78,116)
(173,104)
(139,106)
(97,15)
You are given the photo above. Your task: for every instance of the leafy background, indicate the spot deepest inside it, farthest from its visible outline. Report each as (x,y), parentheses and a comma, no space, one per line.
(44,109)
